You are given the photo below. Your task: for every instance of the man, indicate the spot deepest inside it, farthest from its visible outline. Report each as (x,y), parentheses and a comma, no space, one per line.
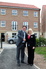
(21,44)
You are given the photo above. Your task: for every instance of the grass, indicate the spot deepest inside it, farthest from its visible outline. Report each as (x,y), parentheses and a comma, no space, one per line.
(41,50)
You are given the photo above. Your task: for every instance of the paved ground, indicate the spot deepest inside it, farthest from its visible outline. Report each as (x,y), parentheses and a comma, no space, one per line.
(8,59)
(8,46)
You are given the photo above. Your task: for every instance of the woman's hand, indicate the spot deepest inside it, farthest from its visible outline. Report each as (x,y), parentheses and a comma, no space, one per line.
(33,48)
(24,39)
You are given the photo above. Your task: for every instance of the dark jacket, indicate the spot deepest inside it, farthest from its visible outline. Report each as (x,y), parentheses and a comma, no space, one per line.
(20,38)
(31,41)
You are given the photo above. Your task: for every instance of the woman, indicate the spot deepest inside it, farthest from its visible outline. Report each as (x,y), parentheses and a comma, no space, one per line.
(31,41)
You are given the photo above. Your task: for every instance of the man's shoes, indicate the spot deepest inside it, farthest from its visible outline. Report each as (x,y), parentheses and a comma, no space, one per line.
(27,63)
(18,64)
(22,62)
(31,64)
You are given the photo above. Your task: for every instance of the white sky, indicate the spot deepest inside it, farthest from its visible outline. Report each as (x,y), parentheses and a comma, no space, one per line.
(37,3)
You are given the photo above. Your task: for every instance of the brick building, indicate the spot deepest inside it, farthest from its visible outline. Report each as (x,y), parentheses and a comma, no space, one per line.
(13,16)
(43,20)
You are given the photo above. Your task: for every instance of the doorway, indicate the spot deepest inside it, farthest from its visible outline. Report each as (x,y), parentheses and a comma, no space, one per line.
(3,37)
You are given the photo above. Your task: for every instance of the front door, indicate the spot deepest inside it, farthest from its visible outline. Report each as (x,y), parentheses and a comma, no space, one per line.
(3,36)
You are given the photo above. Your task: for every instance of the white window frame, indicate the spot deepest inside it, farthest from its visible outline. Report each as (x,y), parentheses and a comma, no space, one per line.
(35,24)
(14,12)
(3,11)
(2,23)
(13,35)
(35,14)
(25,13)
(14,24)
(26,24)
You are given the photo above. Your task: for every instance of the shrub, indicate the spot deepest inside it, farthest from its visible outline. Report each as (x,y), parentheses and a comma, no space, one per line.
(41,41)
(37,42)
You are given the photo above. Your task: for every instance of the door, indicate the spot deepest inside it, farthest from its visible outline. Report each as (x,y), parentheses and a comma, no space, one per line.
(3,36)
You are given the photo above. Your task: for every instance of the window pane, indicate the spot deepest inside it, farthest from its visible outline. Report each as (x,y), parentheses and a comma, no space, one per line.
(25,13)
(35,14)
(35,25)
(3,11)
(26,24)
(14,25)
(13,34)
(3,23)
(14,12)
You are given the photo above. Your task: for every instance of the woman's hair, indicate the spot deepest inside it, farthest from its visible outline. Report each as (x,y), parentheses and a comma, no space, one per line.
(30,30)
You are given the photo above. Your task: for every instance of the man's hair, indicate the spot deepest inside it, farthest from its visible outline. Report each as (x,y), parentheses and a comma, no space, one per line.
(24,26)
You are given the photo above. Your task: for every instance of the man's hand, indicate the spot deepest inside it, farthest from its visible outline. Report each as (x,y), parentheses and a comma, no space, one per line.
(24,39)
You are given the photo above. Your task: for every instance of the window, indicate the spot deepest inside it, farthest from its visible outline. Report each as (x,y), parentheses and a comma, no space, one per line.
(14,25)
(3,11)
(25,13)
(13,34)
(3,23)
(14,12)
(35,14)
(35,25)
(26,24)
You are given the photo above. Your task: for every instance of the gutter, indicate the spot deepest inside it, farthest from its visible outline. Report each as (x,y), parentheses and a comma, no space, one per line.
(19,7)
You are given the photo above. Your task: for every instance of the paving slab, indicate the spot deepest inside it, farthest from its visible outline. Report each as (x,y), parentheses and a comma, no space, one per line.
(8,60)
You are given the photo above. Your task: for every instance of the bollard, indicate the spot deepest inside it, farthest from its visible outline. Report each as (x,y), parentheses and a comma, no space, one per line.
(1,40)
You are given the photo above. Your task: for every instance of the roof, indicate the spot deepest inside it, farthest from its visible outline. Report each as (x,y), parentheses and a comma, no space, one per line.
(18,5)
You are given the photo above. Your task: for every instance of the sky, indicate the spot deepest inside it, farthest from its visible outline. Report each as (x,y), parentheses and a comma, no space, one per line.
(37,3)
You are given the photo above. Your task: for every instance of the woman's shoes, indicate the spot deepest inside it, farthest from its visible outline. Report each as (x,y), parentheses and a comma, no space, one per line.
(18,64)
(30,64)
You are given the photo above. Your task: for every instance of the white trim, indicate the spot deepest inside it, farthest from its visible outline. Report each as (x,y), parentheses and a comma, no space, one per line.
(3,11)
(34,64)
(1,50)
(10,33)
(4,23)
(35,25)
(35,14)
(25,13)
(13,34)
(14,25)
(15,12)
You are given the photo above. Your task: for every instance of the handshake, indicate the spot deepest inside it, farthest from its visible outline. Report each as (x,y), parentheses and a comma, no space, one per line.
(23,40)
